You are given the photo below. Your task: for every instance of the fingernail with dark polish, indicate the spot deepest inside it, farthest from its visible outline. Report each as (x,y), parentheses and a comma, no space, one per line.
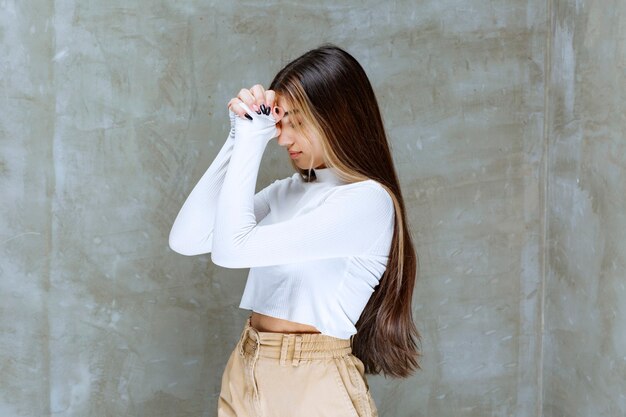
(268,110)
(258,112)
(248,116)
(263,108)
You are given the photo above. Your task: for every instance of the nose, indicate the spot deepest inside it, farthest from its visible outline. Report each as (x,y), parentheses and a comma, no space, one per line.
(283,139)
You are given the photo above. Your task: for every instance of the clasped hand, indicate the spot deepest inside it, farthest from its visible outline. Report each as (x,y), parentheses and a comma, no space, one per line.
(258,100)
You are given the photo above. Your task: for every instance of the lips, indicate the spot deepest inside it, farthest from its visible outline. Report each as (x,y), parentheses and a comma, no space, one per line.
(294,153)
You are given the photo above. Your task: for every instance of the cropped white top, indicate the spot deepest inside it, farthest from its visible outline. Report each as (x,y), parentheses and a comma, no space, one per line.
(316,250)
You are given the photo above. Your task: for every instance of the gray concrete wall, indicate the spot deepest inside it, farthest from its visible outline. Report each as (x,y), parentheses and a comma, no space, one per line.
(585,309)
(111,111)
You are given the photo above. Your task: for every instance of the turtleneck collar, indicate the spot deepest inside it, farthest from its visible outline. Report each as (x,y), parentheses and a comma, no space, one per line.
(327,175)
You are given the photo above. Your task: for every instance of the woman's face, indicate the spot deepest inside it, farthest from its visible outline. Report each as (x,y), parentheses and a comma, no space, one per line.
(294,142)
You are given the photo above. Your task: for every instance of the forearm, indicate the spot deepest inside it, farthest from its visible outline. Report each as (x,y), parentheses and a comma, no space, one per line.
(192,231)
(235,216)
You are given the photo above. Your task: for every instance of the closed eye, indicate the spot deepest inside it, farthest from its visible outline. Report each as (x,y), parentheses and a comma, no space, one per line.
(293,126)
(290,123)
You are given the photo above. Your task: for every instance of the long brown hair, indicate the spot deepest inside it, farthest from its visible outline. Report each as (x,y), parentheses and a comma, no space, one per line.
(337,103)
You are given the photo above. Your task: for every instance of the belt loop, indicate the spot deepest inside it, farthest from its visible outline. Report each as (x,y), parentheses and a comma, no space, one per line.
(283,349)
(297,351)
(242,340)
(257,351)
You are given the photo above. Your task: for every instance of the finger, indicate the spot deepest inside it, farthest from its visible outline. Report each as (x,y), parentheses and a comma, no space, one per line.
(270,98)
(278,113)
(258,92)
(247,97)
(235,106)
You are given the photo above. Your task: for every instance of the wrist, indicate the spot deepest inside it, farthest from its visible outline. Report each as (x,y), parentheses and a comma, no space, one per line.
(233,117)
(262,127)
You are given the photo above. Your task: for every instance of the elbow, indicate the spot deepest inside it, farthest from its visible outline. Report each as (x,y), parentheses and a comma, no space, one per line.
(177,247)
(229,250)
(220,259)
(217,260)
(183,247)
(225,258)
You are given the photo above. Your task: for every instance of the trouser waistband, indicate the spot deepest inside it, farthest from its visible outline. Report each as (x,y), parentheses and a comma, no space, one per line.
(291,347)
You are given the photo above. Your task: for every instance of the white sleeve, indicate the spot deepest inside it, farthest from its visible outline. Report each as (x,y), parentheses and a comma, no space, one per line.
(348,223)
(192,231)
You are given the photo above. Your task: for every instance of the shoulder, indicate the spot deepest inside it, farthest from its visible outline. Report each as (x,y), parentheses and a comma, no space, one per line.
(368,195)
(366,187)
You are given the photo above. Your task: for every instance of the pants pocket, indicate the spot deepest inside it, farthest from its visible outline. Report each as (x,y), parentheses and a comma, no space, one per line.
(353,384)
(369,407)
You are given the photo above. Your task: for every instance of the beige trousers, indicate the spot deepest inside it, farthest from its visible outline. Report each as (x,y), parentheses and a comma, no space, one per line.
(293,374)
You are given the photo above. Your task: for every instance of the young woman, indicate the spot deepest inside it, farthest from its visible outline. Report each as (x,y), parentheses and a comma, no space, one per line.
(329,248)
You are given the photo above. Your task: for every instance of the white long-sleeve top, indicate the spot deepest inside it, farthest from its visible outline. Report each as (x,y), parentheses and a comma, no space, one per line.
(315,250)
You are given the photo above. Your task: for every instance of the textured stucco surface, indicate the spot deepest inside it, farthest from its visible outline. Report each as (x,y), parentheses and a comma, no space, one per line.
(585,308)
(111,111)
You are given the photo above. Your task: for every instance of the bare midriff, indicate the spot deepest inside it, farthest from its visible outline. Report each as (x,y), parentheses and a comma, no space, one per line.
(264,323)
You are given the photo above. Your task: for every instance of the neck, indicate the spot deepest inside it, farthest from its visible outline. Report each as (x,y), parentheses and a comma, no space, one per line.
(327,175)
